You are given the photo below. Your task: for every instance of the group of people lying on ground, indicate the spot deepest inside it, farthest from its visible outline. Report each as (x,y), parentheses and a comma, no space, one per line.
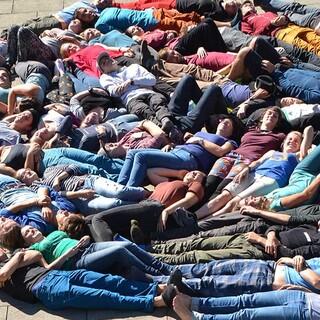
(163,153)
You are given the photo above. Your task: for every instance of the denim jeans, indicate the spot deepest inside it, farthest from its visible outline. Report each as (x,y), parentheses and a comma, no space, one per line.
(280,305)
(83,81)
(91,290)
(86,161)
(137,162)
(124,123)
(209,102)
(300,14)
(227,277)
(123,255)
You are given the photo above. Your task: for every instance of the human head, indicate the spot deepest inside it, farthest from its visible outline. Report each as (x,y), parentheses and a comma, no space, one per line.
(115,150)
(247,6)
(31,235)
(27,103)
(230,7)
(10,235)
(256,202)
(194,176)
(67,49)
(25,121)
(102,4)
(27,176)
(225,127)
(171,55)
(288,101)
(270,119)
(85,15)
(106,64)
(292,142)
(42,135)
(134,31)
(90,34)
(5,79)
(75,25)
(90,119)
(73,224)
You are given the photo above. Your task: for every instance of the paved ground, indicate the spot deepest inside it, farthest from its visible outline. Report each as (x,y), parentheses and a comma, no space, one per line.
(15,12)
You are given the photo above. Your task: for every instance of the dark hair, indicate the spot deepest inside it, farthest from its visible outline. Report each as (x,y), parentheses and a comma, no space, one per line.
(28,103)
(163,53)
(12,239)
(278,110)
(85,25)
(74,225)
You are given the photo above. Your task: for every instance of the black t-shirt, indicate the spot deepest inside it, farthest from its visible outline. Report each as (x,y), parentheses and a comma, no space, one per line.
(22,281)
(210,8)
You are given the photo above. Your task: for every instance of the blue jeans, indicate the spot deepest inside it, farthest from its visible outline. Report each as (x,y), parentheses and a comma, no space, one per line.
(88,162)
(300,14)
(91,290)
(110,194)
(227,277)
(123,255)
(124,123)
(280,305)
(83,81)
(137,162)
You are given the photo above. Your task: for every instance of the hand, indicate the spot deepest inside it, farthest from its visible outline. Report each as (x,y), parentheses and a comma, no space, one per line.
(56,184)
(86,193)
(241,114)
(201,52)
(48,215)
(286,62)
(101,129)
(187,136)
(195,140)
(83,242)
(162,221)
(243,174)
(44,201)
(285,261)
(252,237)
(267,66)
(123,87)
(271,246)
(299,263)
(279,21)
(167,148)
(129,53)
(4,276)
(249,210)
(260,94)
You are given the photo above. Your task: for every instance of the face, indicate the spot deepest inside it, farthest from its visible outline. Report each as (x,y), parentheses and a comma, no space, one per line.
(288,101)
(91,33)
(135,31)
(193,176)
(27,176)
(86,15)
(108,65)
(230,7)
(292,142)
(248,7)
(75,26)
(69,49)
(115,150)
(23,121)
(61,217)
(42,135)
(31,235)
(270,118)
(5,81)
(174,56)
(225,128)
(90,119)
(6,224)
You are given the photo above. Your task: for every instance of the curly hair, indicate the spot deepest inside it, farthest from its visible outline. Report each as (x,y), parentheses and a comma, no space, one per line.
(74,225)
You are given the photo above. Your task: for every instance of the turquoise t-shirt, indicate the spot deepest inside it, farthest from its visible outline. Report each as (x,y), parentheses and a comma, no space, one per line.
(114,38)
(116,18)
(4,95)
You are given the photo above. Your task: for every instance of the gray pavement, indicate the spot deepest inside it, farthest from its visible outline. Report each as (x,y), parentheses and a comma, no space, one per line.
(16,12)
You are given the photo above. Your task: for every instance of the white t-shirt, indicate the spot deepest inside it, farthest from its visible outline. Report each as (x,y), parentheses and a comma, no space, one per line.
(296,111)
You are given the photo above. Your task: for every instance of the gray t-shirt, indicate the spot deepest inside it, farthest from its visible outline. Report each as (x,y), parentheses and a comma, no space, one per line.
(8,136)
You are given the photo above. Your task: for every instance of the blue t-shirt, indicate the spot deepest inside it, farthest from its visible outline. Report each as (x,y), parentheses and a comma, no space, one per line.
(204,157)
(293,277)
(67,13)
(116,18)
(278,167)
(235,93)
(4,95)
(114,38)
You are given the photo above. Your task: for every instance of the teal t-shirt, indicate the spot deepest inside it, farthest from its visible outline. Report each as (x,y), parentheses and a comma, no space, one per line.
(54,246)
(114,38)
(4,93)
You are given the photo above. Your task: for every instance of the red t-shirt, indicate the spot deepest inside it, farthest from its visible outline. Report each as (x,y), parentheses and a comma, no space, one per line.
(258,24)
(212,61)
(170,192)
(86,59)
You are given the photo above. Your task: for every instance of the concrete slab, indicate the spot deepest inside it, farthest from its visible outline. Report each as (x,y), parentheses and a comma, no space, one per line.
(6,6)
(35,5)
(16,18)
(3,312)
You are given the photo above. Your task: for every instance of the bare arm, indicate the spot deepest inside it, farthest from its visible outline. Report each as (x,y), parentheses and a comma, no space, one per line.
(211,147)
(15,208)
(279,218)
(306,143)
(158,175)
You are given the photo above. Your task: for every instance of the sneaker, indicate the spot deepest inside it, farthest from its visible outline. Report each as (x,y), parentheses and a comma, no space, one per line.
(136,234)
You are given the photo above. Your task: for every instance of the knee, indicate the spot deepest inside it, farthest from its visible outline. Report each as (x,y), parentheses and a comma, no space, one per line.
(244,52)
(188,80)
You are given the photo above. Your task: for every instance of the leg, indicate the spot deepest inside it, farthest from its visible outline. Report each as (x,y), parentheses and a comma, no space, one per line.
(159,105)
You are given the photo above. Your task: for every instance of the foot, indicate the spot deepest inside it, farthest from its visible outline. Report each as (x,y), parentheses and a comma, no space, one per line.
(147,60)
(168,295)
(176,279)
(136,234)
(182,305)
